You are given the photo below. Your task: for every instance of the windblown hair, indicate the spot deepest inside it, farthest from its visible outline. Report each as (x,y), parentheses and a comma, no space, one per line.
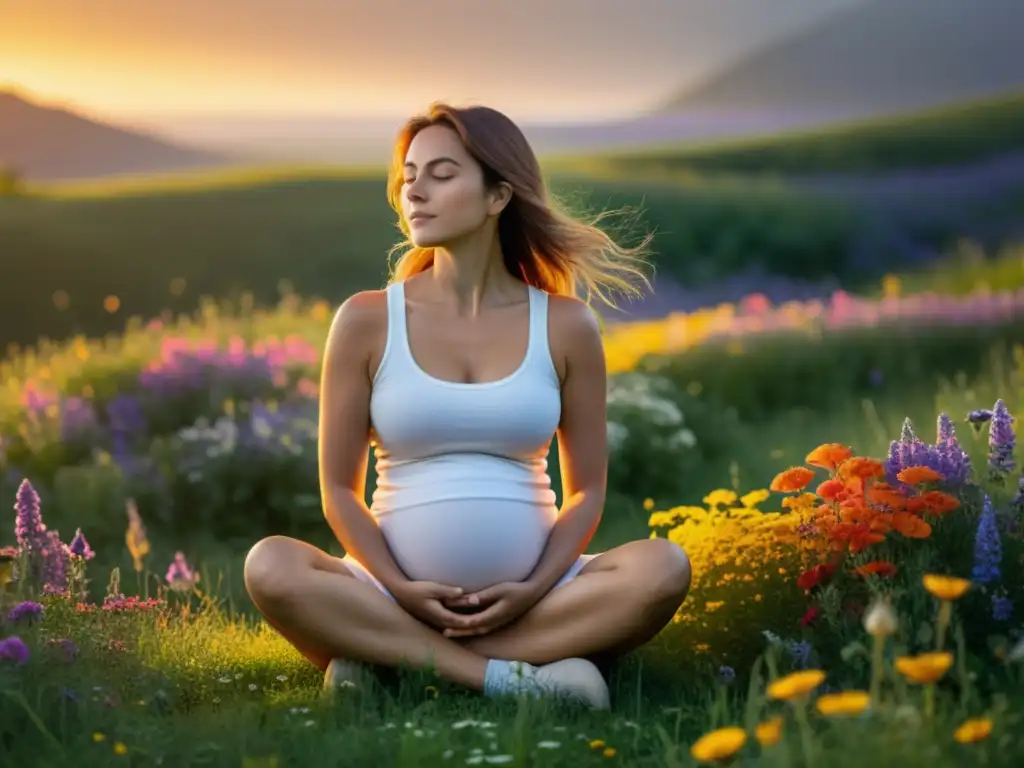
(541,244)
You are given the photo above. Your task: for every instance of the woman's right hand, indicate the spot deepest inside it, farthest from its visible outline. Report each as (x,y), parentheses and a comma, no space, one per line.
(424,601)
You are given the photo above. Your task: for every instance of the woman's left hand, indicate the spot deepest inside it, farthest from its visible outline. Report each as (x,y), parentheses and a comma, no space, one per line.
(503,603)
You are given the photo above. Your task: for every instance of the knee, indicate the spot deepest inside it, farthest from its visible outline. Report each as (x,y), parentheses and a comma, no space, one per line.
(670,568)
(267,567)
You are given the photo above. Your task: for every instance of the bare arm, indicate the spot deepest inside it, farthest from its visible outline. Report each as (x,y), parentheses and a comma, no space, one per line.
(582,440)
(344,435)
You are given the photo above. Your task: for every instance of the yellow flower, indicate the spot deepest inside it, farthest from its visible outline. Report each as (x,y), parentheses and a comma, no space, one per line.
(597,744)
(98,737)
(926,668)
(720,498)
(648,504)
(796,685)
(719,745)
(752,499)
(844,703)
(769,732)
(945,587)
(120,748)
(609,752)
(974,730)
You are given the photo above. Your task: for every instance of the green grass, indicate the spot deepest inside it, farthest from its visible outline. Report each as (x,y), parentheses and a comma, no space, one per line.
(954,135)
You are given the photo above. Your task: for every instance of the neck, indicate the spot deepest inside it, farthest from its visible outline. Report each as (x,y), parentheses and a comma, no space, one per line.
(472,275)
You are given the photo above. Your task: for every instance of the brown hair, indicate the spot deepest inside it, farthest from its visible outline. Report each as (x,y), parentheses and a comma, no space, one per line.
(542,244)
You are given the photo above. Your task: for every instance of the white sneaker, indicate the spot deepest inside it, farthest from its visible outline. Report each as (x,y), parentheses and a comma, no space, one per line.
(576,679)
(342,673)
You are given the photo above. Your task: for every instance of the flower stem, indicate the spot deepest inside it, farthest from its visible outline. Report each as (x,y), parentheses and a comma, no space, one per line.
(929,701)
(800,709)
(877,661)
(945,614)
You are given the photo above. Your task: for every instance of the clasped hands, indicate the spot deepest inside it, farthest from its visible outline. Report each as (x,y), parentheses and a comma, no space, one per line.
(499,604)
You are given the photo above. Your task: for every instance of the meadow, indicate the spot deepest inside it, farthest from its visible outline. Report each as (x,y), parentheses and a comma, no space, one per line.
(82,257)
(811,510)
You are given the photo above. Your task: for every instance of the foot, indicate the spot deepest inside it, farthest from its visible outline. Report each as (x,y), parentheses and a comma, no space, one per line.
(342,673)
(574,679)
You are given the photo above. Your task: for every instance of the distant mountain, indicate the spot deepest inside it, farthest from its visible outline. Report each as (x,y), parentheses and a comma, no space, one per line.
(883,57)
(47,143)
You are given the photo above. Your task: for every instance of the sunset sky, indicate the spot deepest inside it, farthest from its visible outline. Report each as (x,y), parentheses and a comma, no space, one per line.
(539,59)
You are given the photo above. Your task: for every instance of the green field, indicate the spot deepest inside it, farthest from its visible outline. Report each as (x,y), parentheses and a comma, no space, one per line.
(948,136)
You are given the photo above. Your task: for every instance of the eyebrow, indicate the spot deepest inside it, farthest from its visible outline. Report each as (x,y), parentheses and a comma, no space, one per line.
(435,161)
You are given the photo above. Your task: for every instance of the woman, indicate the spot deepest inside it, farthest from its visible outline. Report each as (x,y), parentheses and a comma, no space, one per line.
(460,374)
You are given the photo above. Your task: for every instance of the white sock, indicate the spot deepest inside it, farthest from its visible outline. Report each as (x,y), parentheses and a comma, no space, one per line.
(503,678)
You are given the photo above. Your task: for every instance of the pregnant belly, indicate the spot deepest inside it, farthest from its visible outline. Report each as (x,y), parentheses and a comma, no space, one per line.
(468,543)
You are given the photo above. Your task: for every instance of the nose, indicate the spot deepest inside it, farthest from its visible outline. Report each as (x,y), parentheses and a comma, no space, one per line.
(413,191)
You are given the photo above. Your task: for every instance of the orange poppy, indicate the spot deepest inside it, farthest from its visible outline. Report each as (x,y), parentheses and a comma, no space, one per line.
(828,456)
(792,479)
(858,536)
(876,568)
(811,578)
(911,526)
(938,503)
(918,475)
(832,490)
(862,467)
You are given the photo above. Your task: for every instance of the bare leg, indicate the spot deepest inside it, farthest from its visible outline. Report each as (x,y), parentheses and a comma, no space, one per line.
(620,600)
(325,612)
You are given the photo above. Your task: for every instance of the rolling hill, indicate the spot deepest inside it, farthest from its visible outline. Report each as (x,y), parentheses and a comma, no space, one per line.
(883,57)
(46,143)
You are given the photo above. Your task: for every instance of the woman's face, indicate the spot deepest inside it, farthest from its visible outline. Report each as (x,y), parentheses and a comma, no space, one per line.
(444,198)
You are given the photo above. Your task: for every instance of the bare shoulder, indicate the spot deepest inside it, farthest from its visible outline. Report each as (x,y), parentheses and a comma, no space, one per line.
(360,325)
(574,334)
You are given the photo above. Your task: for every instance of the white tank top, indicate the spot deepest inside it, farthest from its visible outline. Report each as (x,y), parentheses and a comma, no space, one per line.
(463,495)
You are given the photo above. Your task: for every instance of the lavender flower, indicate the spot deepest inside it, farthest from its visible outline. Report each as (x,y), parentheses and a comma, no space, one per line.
(180,576)
(1001,440)
(55,561)
(28,524)
(1002,608)
(988,550)
(13,649)
(953,461)
(979,417)
(79,547)
(25,610)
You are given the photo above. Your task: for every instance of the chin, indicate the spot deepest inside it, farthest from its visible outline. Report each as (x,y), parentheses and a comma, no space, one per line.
(427,238)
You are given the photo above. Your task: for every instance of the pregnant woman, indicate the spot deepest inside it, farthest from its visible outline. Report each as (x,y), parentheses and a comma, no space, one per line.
(459,375)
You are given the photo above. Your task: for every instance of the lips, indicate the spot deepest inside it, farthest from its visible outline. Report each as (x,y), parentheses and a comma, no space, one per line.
(419,216)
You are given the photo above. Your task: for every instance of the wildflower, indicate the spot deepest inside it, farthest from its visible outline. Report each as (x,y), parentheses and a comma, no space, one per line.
(719,745)
(817,575)
(14,649)
(828,456)
(597,744)
(919,475)
(979,416)
(55,561)
(879,568)
(79,547)
(609,752)
(862,467)
(1002,608)
(135,536)
(720,498)
(25,610)
(926,668)
(726,675)
(796,685)
(792,479)
(180,576)
(769,732)
(648,504)
(988,551)
(810,616)
(120,748)
(844,703)
(1001,440)
(974,730)
(945,587)
(954,462)
(98,737)
(28,524)
(880,619)
(752,499)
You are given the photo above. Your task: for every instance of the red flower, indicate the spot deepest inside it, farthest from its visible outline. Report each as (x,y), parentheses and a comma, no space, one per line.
(810,617)
(815,576)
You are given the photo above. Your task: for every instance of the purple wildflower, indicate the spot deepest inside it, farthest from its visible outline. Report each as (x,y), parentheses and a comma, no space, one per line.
(1002,608)
(55,561)
(13,649)
(79,547)
(953,461)
(25,610)
(180,575)
(1001,440)
(988,550)
(67,645)
(979,416)
(726,675)
(28,524)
